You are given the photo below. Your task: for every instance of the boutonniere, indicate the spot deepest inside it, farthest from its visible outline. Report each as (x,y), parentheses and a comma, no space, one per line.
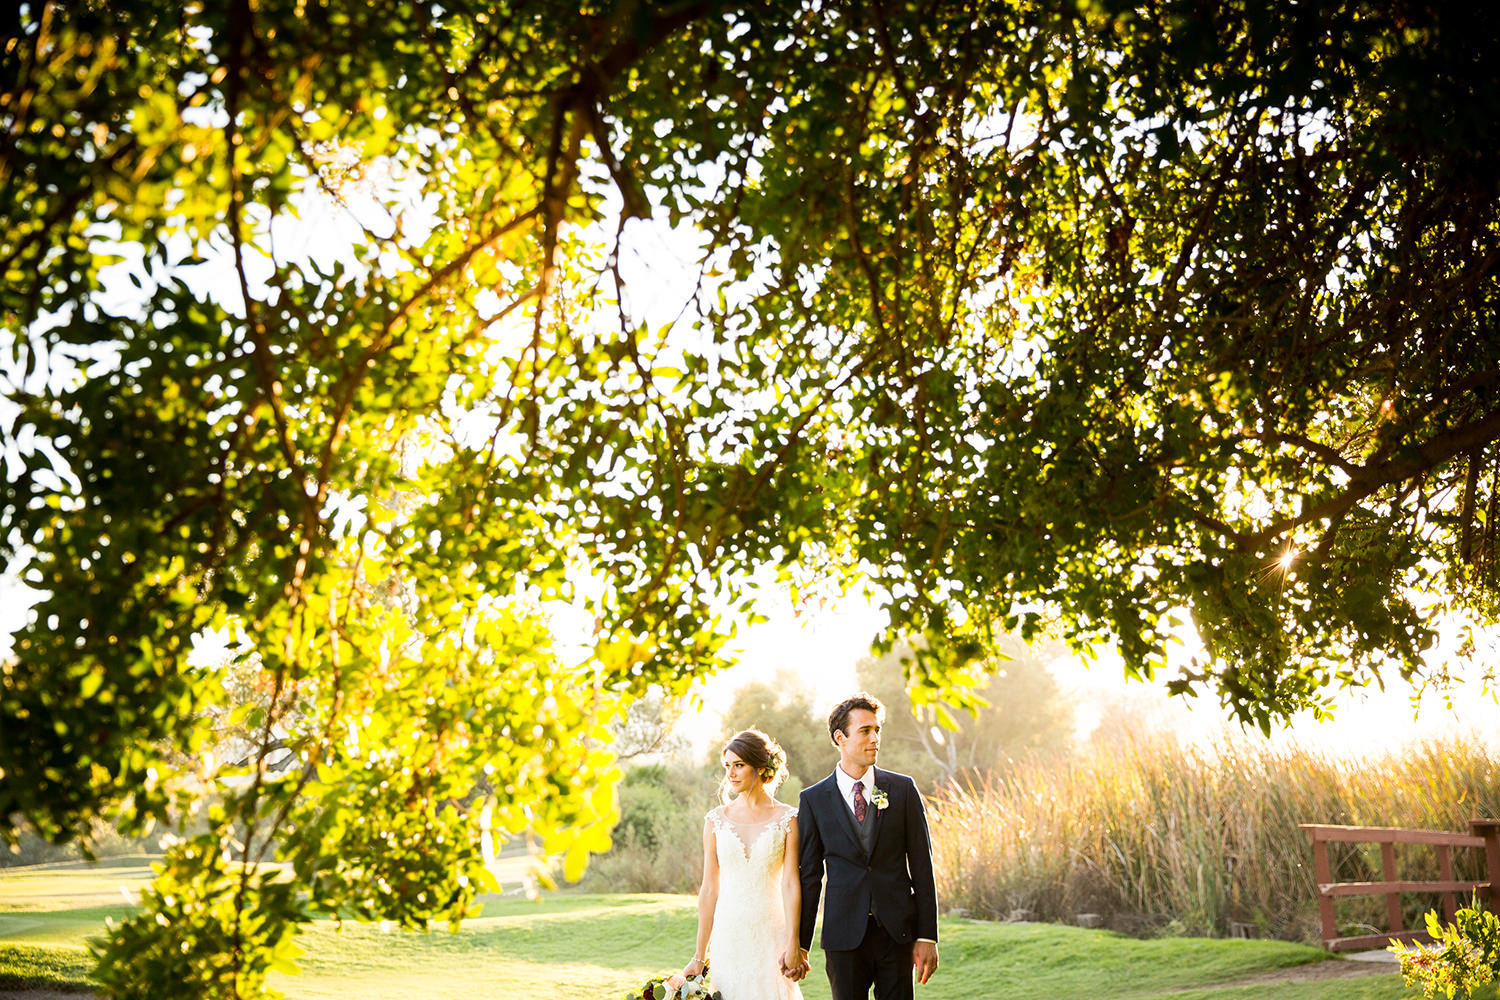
(880,799)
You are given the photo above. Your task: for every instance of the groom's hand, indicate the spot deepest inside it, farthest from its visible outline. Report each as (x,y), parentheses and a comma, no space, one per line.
(924,959)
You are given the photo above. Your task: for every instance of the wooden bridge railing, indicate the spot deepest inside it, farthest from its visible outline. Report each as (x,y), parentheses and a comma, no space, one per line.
(1484,834)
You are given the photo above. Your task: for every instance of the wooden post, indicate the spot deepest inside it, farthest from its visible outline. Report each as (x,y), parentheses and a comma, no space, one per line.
(1388,872)
(1445,872)
(1324,873)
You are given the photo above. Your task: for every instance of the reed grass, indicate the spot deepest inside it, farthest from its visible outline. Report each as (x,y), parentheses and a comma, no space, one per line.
(1159,837)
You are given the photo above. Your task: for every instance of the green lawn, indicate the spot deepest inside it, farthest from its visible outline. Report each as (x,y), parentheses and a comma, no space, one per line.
(592,946)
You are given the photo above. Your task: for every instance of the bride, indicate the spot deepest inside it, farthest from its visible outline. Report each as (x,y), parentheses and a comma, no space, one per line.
(749,907)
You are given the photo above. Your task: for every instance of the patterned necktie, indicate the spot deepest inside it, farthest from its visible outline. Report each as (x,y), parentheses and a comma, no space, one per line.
(859,802)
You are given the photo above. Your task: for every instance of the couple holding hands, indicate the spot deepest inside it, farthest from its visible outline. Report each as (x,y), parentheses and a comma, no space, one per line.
(764,865)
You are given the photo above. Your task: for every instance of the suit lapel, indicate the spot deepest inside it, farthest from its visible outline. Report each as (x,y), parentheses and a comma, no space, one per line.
(881,784)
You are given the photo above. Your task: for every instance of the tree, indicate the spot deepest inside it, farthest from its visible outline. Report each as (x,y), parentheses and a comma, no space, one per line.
(1025,714)
(1096,316)
(648,728)
(784,709)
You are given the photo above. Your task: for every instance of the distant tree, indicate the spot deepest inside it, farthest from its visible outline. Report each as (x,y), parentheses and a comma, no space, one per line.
(1026,714)
(648,728)
(785,709)
(1135,713)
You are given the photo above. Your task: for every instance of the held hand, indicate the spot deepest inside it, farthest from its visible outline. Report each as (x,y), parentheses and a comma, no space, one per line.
(695,967)
(924,958)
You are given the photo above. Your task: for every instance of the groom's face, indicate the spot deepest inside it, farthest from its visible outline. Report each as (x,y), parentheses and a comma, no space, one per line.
(860,743)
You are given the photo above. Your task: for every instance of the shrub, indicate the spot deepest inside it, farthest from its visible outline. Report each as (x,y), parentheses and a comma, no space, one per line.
(658,842)
(1465,955)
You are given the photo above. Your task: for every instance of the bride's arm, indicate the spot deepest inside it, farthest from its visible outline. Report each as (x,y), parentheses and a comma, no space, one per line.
(708,898)
(791,898)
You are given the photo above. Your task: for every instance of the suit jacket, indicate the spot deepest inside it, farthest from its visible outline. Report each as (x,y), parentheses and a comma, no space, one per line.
(893,881)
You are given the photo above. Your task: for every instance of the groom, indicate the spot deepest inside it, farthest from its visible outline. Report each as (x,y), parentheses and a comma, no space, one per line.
(867,831)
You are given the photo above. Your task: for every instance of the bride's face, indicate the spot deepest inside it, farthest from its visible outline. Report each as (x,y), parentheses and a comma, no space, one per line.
(740,777)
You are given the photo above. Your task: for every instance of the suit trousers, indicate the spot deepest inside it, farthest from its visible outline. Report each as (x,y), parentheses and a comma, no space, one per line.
(878,961)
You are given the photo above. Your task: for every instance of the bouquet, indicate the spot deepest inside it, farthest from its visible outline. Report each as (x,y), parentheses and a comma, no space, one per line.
(676,987)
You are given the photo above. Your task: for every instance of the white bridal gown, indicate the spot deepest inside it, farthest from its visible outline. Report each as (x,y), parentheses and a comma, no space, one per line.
(750,930)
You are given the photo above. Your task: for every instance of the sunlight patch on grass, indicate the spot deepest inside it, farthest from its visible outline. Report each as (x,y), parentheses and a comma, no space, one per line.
(463,980)
(70,885)
(518,909)
(58,926)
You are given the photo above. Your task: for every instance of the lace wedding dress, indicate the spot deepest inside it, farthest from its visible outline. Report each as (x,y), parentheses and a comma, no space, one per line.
(750,930)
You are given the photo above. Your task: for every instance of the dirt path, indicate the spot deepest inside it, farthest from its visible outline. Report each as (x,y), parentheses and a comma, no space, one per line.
(1366,964)
(1315,972)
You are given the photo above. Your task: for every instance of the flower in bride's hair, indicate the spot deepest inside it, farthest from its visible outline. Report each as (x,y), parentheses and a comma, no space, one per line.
(775,771)
(777,761)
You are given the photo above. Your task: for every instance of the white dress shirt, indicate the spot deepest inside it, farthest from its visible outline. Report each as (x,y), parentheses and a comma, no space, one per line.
(846,787)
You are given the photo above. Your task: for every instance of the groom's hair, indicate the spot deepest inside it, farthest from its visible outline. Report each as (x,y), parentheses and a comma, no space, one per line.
(838,719)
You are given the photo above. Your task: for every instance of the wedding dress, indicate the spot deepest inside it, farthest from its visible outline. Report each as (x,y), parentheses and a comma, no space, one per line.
(750,931)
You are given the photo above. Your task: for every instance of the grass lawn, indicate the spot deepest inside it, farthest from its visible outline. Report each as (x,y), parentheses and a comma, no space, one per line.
(573,945)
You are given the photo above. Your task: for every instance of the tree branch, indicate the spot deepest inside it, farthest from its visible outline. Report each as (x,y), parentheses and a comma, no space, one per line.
(1434,452)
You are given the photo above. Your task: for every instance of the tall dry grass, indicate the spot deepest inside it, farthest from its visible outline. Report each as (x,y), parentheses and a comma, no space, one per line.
(1159,837)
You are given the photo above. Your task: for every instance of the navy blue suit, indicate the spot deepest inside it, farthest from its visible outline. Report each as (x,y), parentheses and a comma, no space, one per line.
(879,902)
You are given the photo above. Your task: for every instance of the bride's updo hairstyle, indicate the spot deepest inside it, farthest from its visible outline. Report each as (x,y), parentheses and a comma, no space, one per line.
(762,753)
